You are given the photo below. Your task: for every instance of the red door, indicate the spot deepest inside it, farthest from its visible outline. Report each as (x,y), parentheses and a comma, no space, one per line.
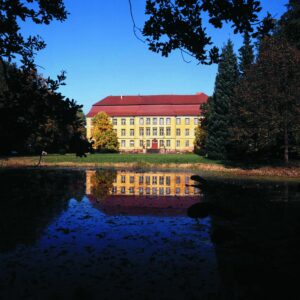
(154,144)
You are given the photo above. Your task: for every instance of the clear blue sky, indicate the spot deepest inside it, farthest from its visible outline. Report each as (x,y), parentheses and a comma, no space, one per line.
(97,48)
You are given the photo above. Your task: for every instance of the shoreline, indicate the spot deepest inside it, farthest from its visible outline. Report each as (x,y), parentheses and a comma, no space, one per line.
(289,172)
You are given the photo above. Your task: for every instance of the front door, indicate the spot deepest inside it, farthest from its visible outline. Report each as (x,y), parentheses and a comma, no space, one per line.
(154,144)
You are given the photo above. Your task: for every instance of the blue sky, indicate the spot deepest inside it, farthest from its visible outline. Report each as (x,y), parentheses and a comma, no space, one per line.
(97,48)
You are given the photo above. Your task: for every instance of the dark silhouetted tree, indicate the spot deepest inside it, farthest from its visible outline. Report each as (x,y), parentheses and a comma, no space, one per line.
(177,24)
(266,108)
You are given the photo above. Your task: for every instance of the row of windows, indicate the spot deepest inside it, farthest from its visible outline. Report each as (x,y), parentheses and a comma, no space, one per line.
(148,143)
(155,130)
(155,121)
(155,179)
(155,191)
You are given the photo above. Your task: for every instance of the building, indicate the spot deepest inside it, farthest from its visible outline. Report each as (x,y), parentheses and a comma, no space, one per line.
(161,122)
(136,193)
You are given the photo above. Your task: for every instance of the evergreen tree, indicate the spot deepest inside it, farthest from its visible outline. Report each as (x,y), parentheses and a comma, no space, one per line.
(218,113)
(104,137)
(246,57)
(289,24)
(266,108)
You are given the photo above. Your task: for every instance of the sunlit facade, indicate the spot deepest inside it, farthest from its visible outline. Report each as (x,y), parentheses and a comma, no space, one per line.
(163,123)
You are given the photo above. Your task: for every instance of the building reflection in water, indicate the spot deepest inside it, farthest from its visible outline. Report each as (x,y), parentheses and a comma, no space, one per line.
(133,193)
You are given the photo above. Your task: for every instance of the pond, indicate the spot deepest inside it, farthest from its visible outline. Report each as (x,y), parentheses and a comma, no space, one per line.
(106,234)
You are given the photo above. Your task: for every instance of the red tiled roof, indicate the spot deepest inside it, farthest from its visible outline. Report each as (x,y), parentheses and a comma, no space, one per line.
(160,105)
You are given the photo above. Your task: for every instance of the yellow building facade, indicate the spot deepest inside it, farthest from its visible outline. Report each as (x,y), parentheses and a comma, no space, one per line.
(165,124)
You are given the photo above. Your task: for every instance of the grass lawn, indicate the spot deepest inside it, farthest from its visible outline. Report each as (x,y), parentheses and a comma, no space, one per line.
(130,158)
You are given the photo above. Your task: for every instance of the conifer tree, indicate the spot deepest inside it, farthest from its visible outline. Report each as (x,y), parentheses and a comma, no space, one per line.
(246,57)
(218,113)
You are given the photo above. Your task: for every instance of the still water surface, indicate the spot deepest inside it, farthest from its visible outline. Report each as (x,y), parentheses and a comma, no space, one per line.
(102,234)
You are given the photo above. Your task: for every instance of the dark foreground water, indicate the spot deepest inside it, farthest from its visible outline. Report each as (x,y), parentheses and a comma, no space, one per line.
(125,235)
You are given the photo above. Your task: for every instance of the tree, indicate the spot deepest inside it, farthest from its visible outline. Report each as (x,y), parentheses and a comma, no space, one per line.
(218,117)
(34,116)
(201,131)
(246,57)
(267,104)
(13,12)
(177,24)
(104,137)
(289,24)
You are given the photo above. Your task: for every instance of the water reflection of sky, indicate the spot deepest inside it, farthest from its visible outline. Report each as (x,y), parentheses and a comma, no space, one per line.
(79,235)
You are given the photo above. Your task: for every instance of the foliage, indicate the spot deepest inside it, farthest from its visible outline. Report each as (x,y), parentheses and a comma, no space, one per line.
(290,23)
(34,116)
(177,24)
(266,109)
(102,183)
(104,137)
(246,57)
(12,42)
(218,112)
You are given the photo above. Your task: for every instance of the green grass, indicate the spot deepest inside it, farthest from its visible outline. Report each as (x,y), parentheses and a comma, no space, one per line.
(130,158)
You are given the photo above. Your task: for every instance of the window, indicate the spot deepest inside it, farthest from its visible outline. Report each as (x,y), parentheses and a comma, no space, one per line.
(177,131)
(147,191)
(148,121)
(186,191)
(131,190)
(123,132)
(161,121)
(168,180)
(131,132)
(147,179)
(141,121)
(123,178)
(168,191)
(187,132)
(154,180)
(131,179)
(141,179)
(161,143)
(177,191)
(142,143)
(154,191)
(148,143)
(187,121)
(177,179)
(131,143)
(161,131)
(154,131)
(196,121)
(161,179)
(168,131)
(178,121)
(123,143)
(177,143)
(123,190)
(187,180)
(123,121)
(141,190)
(154,122)
(131,121)
(114,190)
(168,143)
(115,121)
(168,121)
(147,131)
(161,191)
(187,143)
(141,131)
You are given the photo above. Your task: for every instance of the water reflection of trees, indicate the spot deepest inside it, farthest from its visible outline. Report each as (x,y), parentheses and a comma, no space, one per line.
(102,183)
(30,199)
(261,258)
